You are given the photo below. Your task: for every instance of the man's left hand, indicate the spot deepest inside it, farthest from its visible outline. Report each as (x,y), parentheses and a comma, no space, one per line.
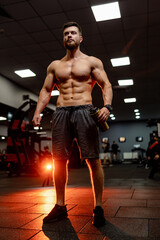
(104,114)
(156,157)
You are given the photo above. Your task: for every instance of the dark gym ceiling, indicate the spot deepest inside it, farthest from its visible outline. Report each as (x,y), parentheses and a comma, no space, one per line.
(31,37)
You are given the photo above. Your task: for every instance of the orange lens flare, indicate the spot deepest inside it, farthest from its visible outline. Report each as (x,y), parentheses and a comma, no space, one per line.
(49,166)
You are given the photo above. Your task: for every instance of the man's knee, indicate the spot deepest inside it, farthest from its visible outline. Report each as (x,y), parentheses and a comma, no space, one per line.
(93,163)
(60,165)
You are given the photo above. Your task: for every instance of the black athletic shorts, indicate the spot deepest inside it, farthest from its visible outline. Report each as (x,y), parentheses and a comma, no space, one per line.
(74,122)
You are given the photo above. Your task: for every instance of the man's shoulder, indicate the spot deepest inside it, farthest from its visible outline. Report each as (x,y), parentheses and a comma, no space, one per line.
(94,60)
(91,58)
(56,62)
(52,65)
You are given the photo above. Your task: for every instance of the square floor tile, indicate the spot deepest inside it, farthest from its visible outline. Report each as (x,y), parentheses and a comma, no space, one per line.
(139,212)
(120,227)
(91,237)
(15,220)
(154,228)
(14,207)
(82,210)
(46,235)
(16,234)
(146,195)
(125,202)
(71,224)
(43,208)
(17,199)
(153,203)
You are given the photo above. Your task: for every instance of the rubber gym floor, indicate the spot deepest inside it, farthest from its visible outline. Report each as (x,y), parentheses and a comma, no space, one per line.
(131,205)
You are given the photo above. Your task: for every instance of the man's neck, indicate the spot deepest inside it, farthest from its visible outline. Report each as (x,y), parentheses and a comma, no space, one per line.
(75,53)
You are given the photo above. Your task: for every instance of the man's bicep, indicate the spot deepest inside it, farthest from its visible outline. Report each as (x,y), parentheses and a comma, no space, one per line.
(49,82)
(100,76)
(98,72)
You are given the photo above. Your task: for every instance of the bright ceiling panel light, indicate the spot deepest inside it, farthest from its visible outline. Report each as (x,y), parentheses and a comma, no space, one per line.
(125,82)
(3,118)
(137,113)
(25,73)
(129,100)
(55,93)
(111,115)
(36,128)
(123,61)
(106,11)
(113,118)
(137,117)
(136,110)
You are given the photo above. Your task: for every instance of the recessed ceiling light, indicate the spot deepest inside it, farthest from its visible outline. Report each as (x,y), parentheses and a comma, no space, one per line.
(111,115)
(116,62)
(113,118)
(55,93)
(136,110)
(106,11)
(36,128)
(137,117)
(125,82)
(137,113)
(3,118)
(25,73)
(129,100)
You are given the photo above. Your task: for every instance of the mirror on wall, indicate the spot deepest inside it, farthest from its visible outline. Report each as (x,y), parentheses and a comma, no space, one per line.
(104,139)
(122,139)
(139,139)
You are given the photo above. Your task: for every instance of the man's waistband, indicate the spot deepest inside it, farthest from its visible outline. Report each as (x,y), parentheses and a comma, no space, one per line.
(76,107)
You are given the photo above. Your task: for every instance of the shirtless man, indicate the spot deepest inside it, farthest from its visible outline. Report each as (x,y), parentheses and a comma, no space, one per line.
(75,75)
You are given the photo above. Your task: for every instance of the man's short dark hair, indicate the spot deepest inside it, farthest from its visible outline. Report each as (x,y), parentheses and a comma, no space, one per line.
(70,24)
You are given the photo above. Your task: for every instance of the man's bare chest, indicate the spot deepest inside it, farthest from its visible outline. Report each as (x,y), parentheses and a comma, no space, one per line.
(79,70)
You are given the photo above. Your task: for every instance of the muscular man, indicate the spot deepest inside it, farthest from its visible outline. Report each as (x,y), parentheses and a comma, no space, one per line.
(75,75)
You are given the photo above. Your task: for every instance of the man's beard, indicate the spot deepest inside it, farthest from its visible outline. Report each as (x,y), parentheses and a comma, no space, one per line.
(71,46)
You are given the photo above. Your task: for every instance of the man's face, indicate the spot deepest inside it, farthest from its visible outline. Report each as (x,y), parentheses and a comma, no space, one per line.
(71,38)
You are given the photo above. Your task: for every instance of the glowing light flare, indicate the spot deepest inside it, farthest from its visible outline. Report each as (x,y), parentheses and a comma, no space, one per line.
(47,193)
(49,166)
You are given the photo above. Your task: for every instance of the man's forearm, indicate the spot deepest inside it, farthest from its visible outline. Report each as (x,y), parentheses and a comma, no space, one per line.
(107,95)
(43,100)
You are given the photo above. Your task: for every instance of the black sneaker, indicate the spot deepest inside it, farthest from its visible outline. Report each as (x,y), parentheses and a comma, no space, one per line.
(98,217)
(57,213)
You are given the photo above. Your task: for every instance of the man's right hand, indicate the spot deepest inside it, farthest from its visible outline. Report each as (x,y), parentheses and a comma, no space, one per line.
(156,157)
(36,119)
